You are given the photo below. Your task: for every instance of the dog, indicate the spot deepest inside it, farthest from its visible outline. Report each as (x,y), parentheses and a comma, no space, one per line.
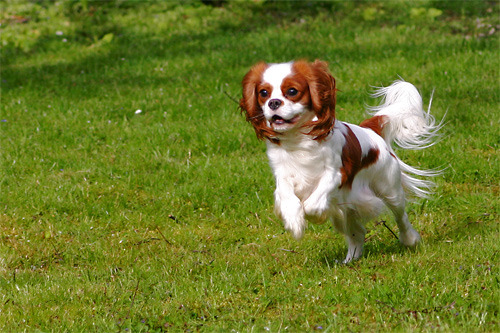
(326,169)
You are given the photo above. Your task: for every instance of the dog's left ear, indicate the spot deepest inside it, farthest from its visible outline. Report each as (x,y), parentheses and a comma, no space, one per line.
(323,97)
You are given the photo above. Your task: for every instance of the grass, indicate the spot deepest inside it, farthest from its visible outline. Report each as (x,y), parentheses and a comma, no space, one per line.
(162,220)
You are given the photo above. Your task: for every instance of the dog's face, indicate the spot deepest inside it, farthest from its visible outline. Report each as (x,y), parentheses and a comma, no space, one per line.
(281,98)
(284,98)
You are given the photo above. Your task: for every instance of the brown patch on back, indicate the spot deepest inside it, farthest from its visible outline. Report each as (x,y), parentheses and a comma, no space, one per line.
(353,160)
(376,124)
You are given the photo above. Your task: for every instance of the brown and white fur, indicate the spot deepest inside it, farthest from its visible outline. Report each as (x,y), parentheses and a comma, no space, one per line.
(328,169)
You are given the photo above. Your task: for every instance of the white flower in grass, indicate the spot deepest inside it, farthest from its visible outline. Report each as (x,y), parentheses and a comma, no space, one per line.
(138,111)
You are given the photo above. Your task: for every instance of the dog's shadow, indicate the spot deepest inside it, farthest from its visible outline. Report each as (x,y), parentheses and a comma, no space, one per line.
(373,251)
(380,242)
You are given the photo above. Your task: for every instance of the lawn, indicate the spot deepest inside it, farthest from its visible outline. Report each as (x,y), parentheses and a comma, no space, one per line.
(135,197)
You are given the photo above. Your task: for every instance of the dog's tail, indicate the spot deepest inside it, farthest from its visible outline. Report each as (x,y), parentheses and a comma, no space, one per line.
(403,121)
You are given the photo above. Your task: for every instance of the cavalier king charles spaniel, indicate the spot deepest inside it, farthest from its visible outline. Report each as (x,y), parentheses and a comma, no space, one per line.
(328,169)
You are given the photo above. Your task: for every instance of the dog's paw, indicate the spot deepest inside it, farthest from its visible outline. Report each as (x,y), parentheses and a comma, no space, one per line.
(296,227)
(295,222)
(291,213)
(316,208)
(317,219)
(410,238)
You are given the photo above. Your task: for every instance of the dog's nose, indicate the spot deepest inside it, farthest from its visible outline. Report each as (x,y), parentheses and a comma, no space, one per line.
(274,104)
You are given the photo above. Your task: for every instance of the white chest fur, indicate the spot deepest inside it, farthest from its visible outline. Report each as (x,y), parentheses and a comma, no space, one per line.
(299,163)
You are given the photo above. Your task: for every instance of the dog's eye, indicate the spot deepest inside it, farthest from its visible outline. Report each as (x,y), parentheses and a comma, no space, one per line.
(263,93)
(292,92)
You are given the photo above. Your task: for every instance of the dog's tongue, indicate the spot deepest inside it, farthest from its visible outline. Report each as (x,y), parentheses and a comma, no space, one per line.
(278,120)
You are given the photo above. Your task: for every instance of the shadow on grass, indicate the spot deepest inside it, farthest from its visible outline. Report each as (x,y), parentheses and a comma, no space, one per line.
(198,50)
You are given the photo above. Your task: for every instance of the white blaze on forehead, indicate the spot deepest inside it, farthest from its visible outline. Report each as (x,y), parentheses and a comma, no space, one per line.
(275,74)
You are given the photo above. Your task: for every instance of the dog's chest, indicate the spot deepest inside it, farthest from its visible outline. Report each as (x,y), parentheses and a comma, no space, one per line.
(301,168)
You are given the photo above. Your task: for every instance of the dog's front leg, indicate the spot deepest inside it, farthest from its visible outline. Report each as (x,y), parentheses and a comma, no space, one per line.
(317,205)
(288,208)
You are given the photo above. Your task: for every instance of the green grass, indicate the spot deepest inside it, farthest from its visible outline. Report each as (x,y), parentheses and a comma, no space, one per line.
(162,220)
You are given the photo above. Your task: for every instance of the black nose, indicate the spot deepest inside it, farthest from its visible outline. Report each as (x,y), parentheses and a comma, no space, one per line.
(274,104)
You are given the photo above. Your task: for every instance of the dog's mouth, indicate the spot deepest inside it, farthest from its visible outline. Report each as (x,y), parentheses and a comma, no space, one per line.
(277,120)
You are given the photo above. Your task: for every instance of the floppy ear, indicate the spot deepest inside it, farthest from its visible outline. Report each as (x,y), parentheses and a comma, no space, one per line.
(323,93)
(250,105)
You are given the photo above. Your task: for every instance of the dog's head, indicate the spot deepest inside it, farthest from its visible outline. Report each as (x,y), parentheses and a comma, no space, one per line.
(286,97)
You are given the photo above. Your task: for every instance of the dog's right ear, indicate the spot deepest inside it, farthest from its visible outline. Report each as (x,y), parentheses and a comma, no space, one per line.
(323,94)
(322,101)
(249,103)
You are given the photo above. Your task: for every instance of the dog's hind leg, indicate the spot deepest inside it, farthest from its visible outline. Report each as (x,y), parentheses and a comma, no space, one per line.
(408,236)
(354,233)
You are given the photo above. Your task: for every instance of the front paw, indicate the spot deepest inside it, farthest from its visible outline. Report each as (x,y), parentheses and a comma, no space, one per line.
(316,209)
(296,225)
(292,215)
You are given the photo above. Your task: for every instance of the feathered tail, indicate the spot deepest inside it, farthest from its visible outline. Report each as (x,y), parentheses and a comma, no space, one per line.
(410,127)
